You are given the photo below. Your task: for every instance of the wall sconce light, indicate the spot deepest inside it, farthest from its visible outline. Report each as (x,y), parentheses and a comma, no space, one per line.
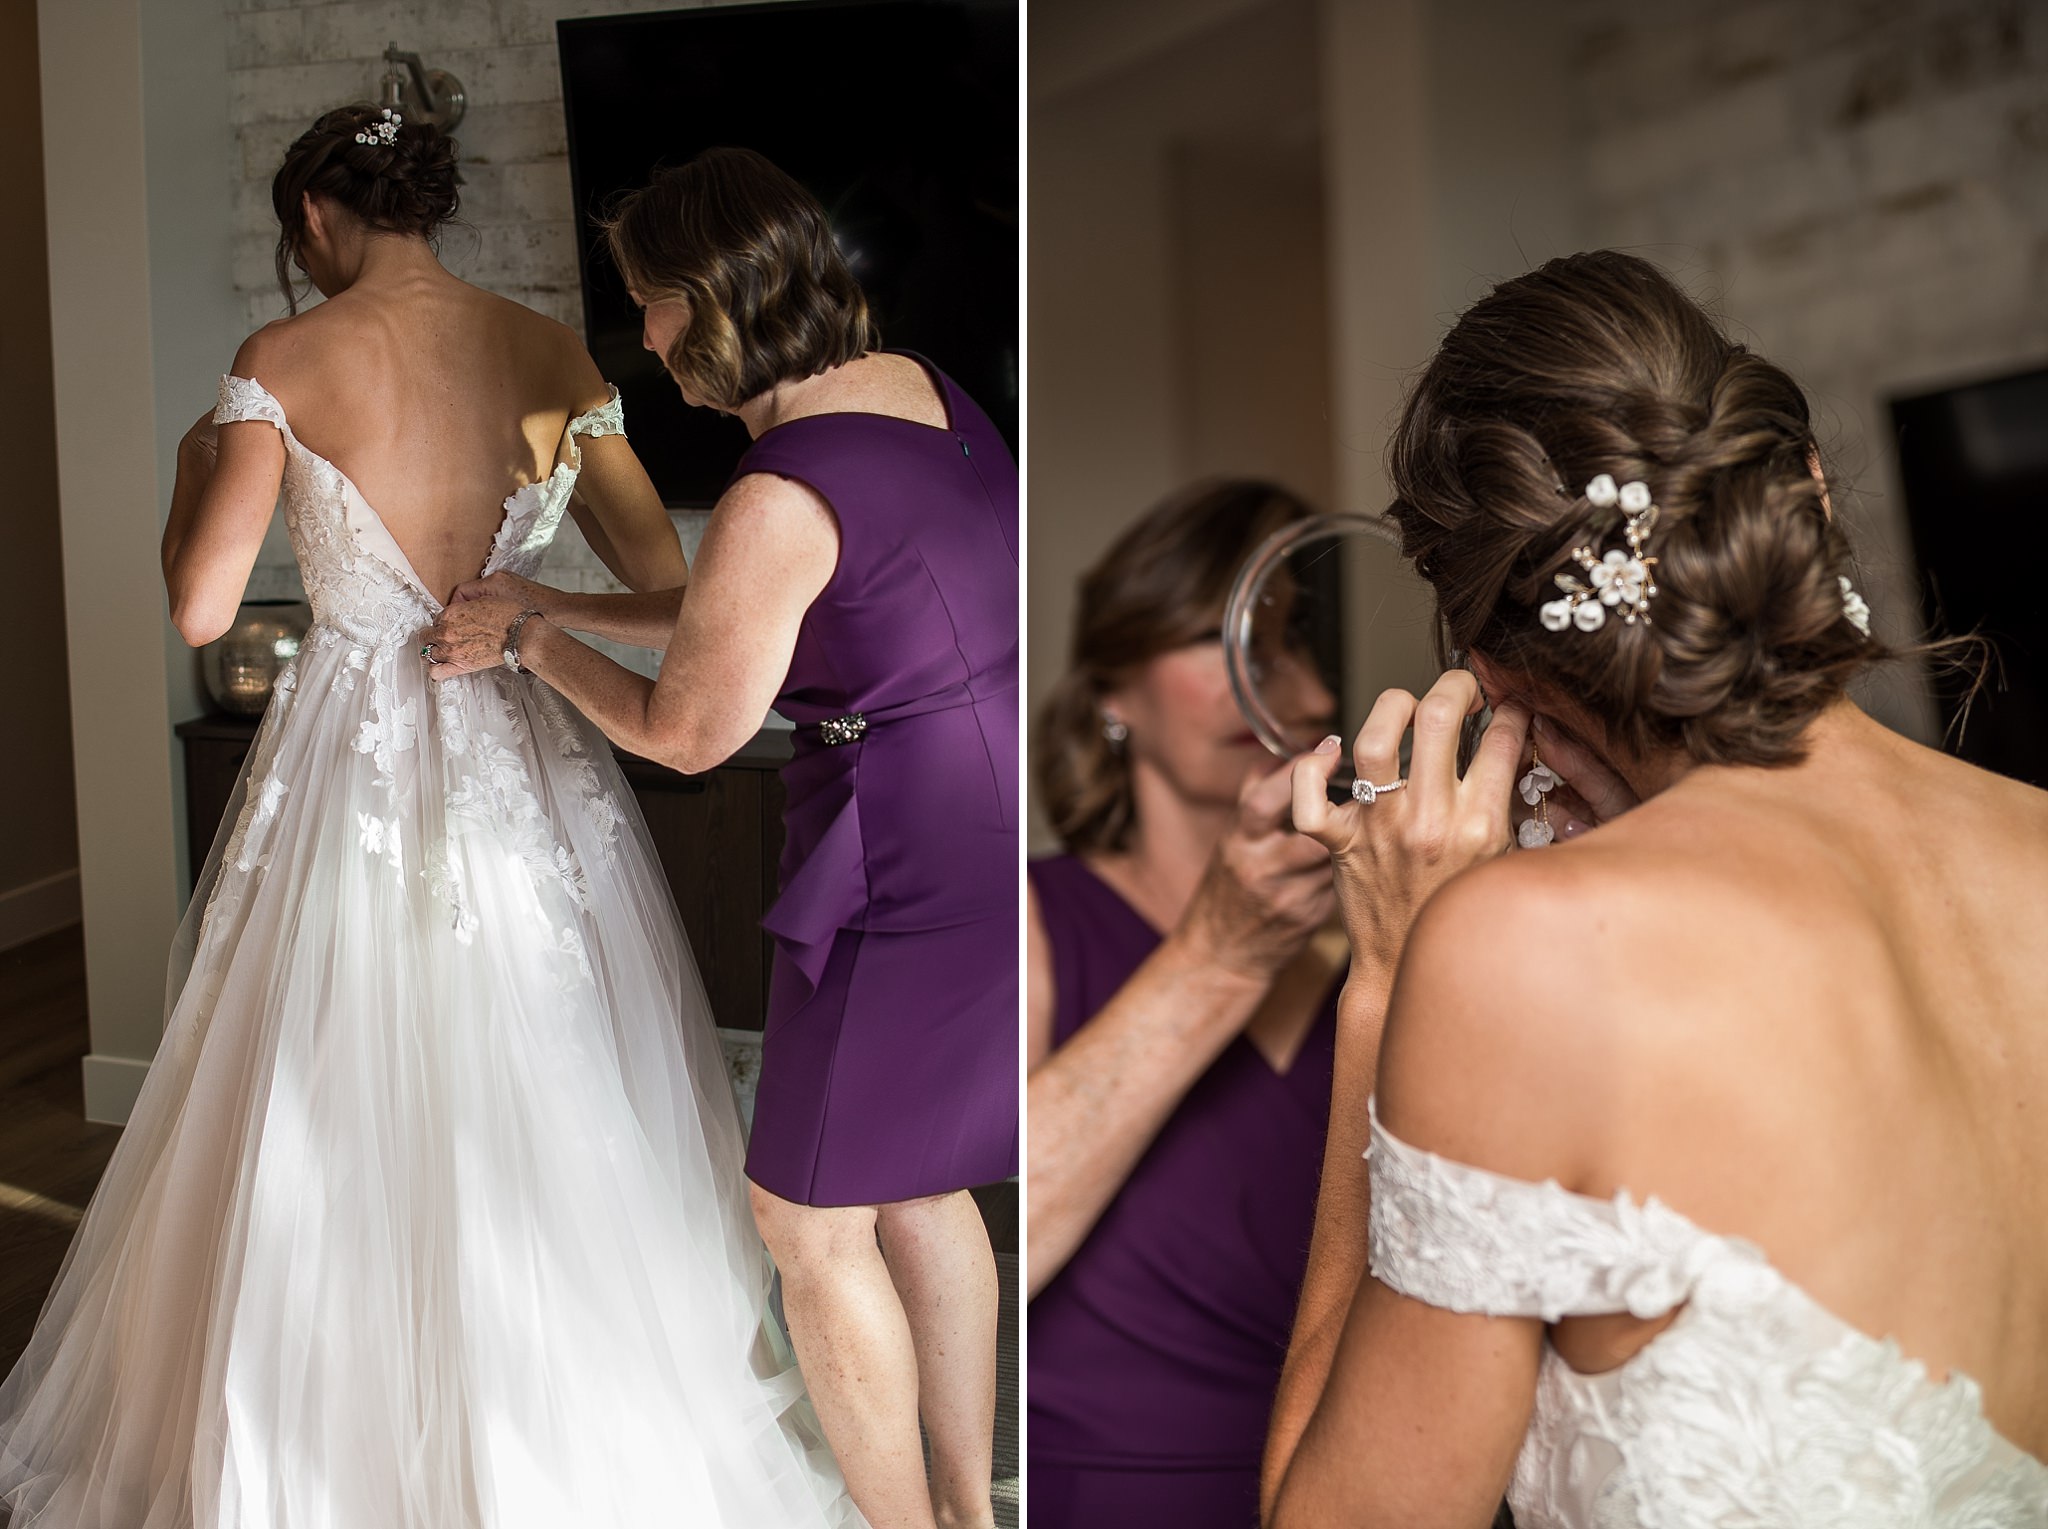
(432,96)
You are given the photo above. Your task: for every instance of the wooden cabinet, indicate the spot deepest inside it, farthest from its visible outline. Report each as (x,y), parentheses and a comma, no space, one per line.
(718,835)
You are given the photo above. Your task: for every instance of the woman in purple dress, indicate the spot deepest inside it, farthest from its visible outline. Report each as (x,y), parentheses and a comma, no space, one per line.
(1183,974)
(860,576)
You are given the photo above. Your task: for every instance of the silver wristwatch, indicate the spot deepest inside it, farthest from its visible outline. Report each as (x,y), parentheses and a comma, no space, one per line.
(511,653)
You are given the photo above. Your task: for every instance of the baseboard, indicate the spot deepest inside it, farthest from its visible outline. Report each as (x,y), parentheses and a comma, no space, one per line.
(40,908)
(111,1086)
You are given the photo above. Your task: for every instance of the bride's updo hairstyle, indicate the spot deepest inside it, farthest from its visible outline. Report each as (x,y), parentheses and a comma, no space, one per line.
(406,186)
(1161,585)
(749,249)
(1597,364)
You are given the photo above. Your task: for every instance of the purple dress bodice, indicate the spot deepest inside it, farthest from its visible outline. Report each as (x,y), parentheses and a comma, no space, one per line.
(1160,1342)
(918,622)
(889,1052)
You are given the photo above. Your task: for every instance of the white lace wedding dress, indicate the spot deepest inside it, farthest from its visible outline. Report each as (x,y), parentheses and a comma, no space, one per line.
(430,1214)
(1754,1409)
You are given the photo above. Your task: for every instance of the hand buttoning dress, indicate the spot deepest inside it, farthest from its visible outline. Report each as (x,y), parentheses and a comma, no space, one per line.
(430,1214)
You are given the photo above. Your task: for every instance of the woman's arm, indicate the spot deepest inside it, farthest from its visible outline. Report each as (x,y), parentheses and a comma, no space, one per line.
(1390,858)
(622,517)
(221,504)
(640,619)
(768,552)
(1097,1102)
(1416,1419)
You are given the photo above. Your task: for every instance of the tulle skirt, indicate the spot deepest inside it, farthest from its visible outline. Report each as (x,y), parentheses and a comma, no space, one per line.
(430,1214)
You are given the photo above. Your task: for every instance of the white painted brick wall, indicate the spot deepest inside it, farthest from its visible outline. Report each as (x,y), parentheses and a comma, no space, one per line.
(289,61)
(1863,189)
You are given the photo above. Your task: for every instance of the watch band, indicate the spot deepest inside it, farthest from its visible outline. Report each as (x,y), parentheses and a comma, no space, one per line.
(511,653)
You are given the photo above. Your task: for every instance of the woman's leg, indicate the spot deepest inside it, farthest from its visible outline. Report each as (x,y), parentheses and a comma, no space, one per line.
(939,1255)
(855,1347)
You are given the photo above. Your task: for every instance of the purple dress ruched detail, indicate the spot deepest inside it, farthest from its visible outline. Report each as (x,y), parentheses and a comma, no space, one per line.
(889,1066)
(1156,1351)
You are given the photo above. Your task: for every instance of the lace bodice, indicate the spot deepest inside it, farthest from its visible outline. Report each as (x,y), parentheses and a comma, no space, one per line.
(358,580)
(1755,1409)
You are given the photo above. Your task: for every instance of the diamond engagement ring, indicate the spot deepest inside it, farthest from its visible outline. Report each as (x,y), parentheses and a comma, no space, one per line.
(1363,790)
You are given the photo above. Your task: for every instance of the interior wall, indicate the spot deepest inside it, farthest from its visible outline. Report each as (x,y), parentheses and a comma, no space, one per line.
(1154,299)
(39,847)
(1862,191)
(96,201)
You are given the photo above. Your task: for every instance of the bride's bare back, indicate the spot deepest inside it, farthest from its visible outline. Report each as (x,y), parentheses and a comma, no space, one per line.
(436,398)
(1807,1007)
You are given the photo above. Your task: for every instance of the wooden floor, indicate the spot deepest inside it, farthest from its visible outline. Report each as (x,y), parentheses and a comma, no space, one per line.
(50,1156)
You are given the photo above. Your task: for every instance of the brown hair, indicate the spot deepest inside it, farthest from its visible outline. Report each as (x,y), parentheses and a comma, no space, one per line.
(1160,586)
(1596,364)
(771,300)
(407,186)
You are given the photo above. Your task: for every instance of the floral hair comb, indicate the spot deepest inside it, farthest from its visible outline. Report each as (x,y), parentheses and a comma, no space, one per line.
(1621,580)
(384,131)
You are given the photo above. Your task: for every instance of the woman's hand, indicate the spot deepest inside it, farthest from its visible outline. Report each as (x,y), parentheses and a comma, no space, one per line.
(509,586)
(471,635)
(1266,889)
(1390,856)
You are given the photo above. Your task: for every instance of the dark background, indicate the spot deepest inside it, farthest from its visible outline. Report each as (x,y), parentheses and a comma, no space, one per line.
(899,115)
(1974,462)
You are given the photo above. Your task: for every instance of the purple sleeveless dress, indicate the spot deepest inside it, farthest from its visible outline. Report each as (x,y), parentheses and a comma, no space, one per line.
(1156,1351)
(889,1058)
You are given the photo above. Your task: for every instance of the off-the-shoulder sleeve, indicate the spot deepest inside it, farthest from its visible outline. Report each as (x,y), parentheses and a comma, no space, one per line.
(608,418)
(245,398)
(1471,1240)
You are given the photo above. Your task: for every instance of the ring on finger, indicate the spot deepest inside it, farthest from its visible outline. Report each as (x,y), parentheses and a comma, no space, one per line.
(1364,791)
(427,651)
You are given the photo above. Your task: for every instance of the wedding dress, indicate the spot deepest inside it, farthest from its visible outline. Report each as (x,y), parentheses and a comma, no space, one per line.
(1754,1409)
(430,1214)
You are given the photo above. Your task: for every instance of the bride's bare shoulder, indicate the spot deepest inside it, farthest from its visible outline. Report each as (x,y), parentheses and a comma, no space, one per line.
(1543,994)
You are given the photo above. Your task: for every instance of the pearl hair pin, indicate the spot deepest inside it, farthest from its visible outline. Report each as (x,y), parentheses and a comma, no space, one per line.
(1619,580)
(383,132)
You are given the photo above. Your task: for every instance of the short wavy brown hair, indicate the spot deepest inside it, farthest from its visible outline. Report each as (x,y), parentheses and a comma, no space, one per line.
(750,250)
(1160,586)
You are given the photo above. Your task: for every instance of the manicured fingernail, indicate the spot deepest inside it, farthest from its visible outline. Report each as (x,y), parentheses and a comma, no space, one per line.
(1540,722)
(1329,744)
(1573,828)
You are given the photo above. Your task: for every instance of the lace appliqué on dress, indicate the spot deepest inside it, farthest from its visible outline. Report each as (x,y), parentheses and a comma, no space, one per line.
(1468,1240)
(1755,1409)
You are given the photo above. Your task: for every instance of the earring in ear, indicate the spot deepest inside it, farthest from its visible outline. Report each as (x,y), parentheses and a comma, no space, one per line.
(1115,729)
(1536,786)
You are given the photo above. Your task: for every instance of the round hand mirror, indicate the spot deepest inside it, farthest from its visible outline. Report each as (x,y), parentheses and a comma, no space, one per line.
(1324,616)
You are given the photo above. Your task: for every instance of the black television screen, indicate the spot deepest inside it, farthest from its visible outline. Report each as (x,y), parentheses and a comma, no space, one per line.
(899,115)
(1974,462)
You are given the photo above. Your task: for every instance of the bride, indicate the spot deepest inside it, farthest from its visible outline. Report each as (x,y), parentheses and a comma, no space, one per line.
(1707,1180)
(430,1213)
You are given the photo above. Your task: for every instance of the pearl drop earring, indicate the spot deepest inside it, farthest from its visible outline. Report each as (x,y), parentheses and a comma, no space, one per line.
(1115,729)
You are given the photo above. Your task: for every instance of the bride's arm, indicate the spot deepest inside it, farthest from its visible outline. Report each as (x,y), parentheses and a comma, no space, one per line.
(1389,858)
(769,550)
(221,504)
